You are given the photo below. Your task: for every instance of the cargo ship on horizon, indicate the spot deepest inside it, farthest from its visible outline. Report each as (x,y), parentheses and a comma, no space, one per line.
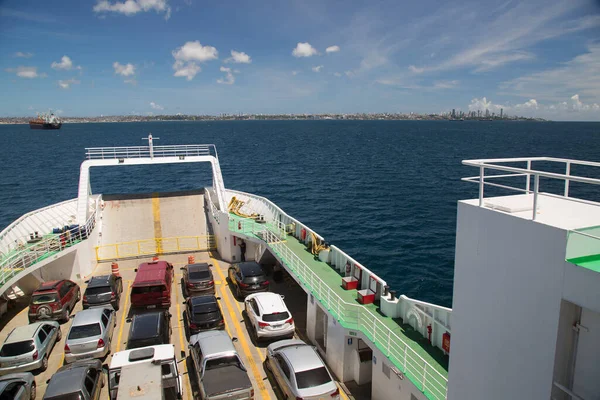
(45,121)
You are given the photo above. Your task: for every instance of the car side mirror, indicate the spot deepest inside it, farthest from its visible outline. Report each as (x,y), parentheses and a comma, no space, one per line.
(282,297)
(135,270)
(170,315)
(88,281)
(128,320)
(234,339)
(182,268)
(218,298)
(210,265)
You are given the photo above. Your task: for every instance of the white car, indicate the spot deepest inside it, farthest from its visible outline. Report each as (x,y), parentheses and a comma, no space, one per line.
(269,316)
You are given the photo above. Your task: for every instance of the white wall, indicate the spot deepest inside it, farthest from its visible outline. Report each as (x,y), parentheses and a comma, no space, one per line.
(507,295)
(382,386)
(587,368)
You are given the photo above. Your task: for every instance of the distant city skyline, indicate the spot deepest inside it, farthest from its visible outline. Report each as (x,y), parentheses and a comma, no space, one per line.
(115,57)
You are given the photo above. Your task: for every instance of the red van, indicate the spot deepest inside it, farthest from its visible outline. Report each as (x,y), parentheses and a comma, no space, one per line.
(152,285)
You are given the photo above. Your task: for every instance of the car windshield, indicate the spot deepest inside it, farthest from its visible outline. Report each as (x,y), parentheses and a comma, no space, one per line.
(93,291)
(68,396)
(148,289)
(221,362)
(17,348)
(282,316)
(44,298)
(84,331)
(312,378)
(199,275)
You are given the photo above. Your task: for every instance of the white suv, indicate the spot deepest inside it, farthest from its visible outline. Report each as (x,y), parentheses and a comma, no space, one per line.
(269,316)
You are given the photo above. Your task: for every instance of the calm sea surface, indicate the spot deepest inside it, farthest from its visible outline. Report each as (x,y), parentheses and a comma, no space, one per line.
(383,191)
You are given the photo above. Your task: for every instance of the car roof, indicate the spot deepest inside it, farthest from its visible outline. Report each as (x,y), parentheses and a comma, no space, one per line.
(89,316)
(49,285)
(302,357)
(198,267)
(213,342)
(8,379)
(24,332)
(68,379)
(199,300)
(269,302)
(145,325)
(101,280)
(250,266)
(150,274)
(161,352)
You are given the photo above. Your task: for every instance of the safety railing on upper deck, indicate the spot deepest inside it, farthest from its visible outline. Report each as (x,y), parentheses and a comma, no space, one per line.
(43,247)
(353,316)
(94,153)
(155,246)
(500,164)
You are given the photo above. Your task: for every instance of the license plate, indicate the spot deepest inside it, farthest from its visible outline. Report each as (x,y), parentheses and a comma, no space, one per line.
(277,326)
(255,286)
(152,306)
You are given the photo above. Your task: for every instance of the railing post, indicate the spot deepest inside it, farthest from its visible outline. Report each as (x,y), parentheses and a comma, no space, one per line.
(481,180)
(424,375)
(536,188)
(405,350)
(568,173)
(528,183)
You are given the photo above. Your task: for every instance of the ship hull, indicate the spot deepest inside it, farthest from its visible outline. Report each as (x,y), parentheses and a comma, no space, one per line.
(35,125)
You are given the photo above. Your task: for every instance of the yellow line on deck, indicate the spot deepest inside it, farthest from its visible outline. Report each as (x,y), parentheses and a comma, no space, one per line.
(156,215)
(123,316)
(181,328)
(242,339)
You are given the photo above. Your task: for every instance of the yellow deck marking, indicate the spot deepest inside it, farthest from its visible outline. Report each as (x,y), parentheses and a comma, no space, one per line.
(156,215)
(182,344)
(119,338)
(242,339)
(342,393)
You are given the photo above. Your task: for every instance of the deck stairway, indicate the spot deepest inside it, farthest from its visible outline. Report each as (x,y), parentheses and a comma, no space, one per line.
(423,364)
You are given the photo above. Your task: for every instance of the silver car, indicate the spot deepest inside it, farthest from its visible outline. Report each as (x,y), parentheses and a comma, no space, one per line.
(28,347)
(20,386)
(82,380)
(299,371)
(90,334)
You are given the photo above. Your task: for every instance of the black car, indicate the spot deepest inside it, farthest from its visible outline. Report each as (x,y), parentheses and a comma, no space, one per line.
(247,278)
(203,313)
(103,290)
(149,329)
(197,278)
(80,380)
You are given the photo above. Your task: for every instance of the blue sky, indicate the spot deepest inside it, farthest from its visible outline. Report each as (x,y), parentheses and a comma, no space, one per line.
(535,58)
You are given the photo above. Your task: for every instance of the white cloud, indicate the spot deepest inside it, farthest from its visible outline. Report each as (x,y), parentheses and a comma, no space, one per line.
(415,70)
(349,74)
(304,50)
(337,74)
(445,84)
(187,56)
(26,72)
(23,55)
(229,79)
(332,49)
(295,73)
(239,57)
(492,62)
(65,63)
(484,104)
(318,68)
(156,106)
(132,7)
(65,84)
(124,69)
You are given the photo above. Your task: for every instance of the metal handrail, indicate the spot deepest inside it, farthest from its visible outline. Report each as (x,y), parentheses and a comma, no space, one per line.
(363,318)
(144,247)
(146,151)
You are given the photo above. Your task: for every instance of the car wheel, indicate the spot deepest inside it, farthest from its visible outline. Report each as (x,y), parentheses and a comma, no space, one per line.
(32,392)
(59,335)
(78,297)
(44,363)
(238,292)
(65,316)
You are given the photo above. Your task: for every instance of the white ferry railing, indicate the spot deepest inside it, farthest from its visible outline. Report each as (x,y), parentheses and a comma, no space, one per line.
(47,246)
(528,172)
(93,153)
(211,206)
(354,316)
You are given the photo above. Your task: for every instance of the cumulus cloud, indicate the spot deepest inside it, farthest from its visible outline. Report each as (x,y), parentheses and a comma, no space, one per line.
(229,79)
(187,56)
(66,84)
(124,69)
(239,57)
(304,50)
(415,70)
(26,72)
(332,49)
(65,63)
(318,68)
(156,106)
(132,7)
(20,54)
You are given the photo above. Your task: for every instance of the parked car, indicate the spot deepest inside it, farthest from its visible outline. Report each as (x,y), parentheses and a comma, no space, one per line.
(54,300)
(82,380)
(28,347)
(102,291)
(299,371)
(203,312)
(247,278)
(149,329)
(90,335)
(219,369)
(152,285)
(128,363)
(269,316)
(19,386)
(198,278)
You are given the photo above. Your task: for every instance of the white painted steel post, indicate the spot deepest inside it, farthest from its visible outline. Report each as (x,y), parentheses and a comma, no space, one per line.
(424,375)
(536,188)
(568,173)
(481,172)
(528,183)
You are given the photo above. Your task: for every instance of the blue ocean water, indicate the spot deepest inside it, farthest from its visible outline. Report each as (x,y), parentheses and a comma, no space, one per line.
(383,191)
